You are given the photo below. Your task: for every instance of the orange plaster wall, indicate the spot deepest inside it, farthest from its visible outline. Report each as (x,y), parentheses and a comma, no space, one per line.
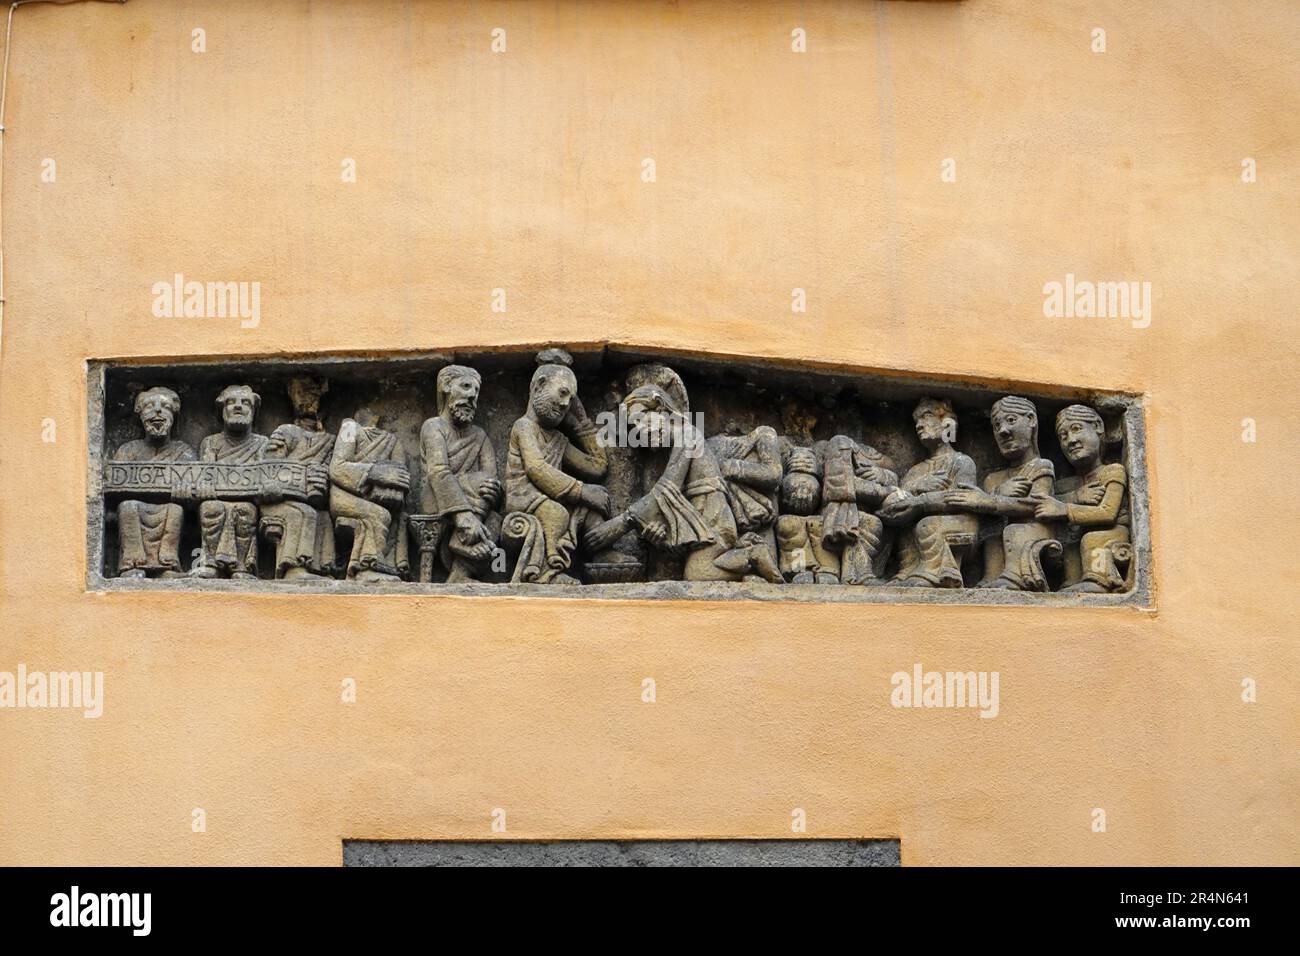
(775,170)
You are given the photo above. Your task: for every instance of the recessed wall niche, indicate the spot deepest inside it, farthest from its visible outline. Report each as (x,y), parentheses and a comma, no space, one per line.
(607,472)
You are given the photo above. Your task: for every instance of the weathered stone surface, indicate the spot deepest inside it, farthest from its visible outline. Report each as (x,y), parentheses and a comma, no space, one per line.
(622,853)
(626,476)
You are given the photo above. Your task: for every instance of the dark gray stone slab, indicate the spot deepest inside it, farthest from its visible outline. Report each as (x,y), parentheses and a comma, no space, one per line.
(622,853)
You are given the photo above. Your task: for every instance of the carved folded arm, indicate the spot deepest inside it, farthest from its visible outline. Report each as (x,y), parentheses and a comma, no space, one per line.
(1105,513)
(585,456)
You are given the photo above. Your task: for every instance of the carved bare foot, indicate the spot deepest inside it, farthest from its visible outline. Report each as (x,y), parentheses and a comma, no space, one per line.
(825,577)
(203,571)
(133,573)
(243,576)
(302,574)
(367,576)
(1085,587)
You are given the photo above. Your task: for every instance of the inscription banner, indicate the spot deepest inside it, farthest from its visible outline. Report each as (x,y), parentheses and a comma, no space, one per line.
(180,480)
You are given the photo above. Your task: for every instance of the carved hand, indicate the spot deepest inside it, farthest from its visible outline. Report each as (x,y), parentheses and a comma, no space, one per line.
(596,498)
(1048,509)
(1015,487)
(489,489)
(318,481)
(802,459)
(606,533)
(390,474)
(930,483)
(272,491)
(898,510)
(966,500)
(656,533)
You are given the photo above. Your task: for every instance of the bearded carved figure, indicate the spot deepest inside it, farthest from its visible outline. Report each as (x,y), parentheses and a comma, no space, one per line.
(149,534)
(460,484)
(554,466)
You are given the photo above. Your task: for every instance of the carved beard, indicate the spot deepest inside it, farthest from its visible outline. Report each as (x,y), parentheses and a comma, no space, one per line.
(551,411)
(156,430)
(462,412)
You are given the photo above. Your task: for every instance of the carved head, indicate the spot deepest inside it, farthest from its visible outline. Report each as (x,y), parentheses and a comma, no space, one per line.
(1015,426)
(801,489)
(305,393)
(1079,429)
(237,406)
(552,390)
(801,493)
(651,414)
(157,409)
(458,388)
(935,422)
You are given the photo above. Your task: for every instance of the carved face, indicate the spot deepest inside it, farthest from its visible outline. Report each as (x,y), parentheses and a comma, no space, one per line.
(552,393)
(1014,432)
(237,409)
(462,399)
(800,493)
(1080,441)
(649,422)
(156,416)
(305,394)
(932,427)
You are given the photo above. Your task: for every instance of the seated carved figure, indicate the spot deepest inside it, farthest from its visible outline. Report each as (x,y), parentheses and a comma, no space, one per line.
(1017,541)
(750,464)
(149,535)
(686,511)
(369,482)
(553,467)
(805,558)
(301,530)
(846,479)
(935,533)
(854,478)
(1093,504)
(230,527)
(460,483)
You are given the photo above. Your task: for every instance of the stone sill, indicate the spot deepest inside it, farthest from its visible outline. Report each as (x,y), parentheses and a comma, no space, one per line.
(645,591)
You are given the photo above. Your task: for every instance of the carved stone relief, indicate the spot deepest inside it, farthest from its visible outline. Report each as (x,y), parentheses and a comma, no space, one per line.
(607,468)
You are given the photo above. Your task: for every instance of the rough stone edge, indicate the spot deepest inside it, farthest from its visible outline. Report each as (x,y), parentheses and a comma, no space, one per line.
(96,378)
(1133,423)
